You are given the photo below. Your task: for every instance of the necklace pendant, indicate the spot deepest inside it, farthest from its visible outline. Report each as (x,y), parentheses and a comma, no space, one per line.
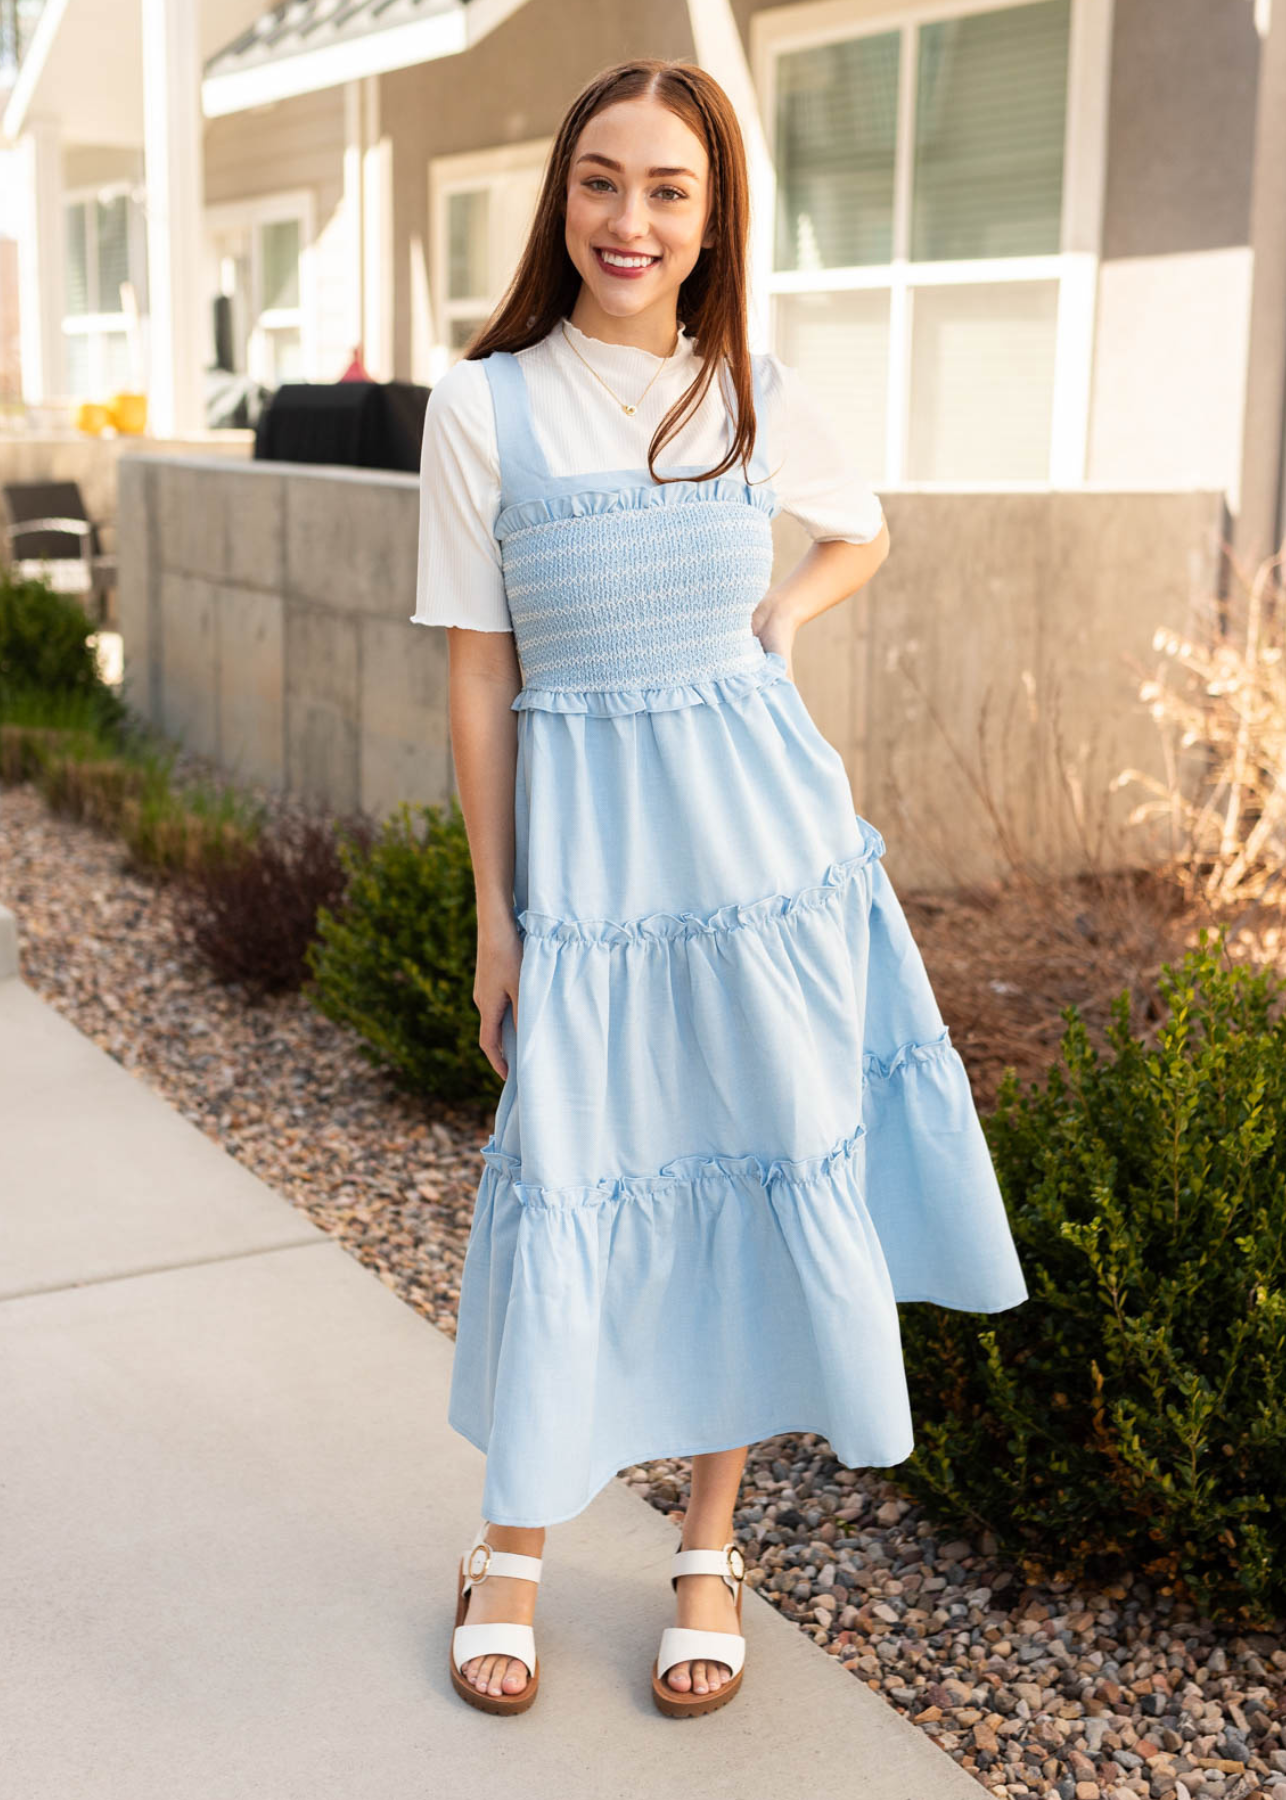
(629,409)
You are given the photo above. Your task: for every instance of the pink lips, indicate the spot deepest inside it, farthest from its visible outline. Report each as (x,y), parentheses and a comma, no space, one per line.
(624,274)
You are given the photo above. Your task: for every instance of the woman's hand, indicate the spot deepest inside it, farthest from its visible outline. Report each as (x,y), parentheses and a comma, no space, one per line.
(778,634)
(495,985)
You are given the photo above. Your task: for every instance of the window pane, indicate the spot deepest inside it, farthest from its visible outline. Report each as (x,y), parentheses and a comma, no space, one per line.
(76,351)
(113,252)
(114,362)
(982,381)
(279,252)
(285,356)
(836,129)
(467,274)
(991,100)
(840,345)
(77,272)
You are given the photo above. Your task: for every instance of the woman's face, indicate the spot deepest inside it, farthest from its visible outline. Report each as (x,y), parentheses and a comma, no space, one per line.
(638,190)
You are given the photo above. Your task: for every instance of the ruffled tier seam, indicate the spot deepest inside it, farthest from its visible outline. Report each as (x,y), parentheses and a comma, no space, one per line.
(703,1166)
(679,1172)
(735,915)
(713,690)
(555,509)
(929,1050)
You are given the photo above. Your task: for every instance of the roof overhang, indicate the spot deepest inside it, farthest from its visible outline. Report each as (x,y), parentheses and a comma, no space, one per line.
(303,45)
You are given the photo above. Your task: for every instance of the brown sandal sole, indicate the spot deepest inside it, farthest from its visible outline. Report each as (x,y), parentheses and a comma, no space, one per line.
(490,1703)
(691,1706)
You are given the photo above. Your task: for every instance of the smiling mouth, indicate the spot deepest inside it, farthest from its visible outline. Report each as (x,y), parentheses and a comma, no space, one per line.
(631,258)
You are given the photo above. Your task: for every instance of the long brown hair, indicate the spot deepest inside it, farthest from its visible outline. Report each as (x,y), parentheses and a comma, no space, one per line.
(712,300)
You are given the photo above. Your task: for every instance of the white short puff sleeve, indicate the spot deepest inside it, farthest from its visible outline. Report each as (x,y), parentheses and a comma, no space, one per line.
(459,577)
(814,476)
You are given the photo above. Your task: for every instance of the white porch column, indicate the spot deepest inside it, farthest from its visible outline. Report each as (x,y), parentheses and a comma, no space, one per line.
(354,143)
(1260,497)
(41,245)
(180,329)
(377,236)
(717,44)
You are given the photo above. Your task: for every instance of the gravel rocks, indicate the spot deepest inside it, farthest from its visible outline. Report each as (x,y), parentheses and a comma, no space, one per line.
(1049,1691)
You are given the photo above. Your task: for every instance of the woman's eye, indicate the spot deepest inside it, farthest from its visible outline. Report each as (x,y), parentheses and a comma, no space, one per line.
(669,192)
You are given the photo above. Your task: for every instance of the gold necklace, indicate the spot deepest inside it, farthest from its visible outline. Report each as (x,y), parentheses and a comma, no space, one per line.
(624,404)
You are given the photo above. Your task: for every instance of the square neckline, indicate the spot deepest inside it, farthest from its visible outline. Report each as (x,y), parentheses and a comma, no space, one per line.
(536,463)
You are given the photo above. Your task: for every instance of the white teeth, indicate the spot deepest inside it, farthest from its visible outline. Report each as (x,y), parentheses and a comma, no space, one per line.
(626,262)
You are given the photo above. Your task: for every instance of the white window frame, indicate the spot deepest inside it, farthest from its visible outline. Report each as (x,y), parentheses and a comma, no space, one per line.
(95,325)
(493,170)
(1074,267)
(298,204)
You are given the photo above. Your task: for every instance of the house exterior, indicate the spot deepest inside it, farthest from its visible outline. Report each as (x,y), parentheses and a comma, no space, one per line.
(1017,243)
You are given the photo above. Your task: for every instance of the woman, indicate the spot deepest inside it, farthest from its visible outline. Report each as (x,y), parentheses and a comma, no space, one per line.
(733,1131)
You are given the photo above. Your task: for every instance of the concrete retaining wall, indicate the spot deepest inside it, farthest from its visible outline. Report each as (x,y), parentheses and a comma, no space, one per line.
(986,675)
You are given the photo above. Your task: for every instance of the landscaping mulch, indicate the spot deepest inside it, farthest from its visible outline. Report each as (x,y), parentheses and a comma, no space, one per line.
(1036,1690)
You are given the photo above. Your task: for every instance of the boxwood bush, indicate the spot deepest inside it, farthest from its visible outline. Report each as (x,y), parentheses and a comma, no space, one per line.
(45,651)
(1132,1412)
(397,960)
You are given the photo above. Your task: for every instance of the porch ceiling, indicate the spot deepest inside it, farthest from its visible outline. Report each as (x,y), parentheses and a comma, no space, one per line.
(84,67)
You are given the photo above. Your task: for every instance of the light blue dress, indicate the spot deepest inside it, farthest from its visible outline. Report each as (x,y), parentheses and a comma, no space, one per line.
(734,1132)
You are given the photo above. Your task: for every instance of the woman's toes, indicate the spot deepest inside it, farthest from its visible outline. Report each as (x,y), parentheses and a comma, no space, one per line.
(679,1677)
(516,1679)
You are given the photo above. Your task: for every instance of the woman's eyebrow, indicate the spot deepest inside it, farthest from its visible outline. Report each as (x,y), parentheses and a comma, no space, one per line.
(594,156)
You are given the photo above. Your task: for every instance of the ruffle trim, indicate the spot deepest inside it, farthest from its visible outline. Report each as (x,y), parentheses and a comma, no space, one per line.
(939,1049)
(545,509)
(737,915)
(680,1171)
(608,702)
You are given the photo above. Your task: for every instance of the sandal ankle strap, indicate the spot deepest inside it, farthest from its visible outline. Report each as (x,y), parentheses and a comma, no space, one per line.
(481,1559)
(727,1562)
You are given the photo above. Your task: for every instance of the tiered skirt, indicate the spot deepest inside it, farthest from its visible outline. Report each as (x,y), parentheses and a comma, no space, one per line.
(734,1134)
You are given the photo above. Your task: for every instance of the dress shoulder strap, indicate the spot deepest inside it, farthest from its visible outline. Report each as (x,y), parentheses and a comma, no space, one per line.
(522,463)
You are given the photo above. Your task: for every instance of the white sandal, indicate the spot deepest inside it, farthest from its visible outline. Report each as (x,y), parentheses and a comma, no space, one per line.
(495,1637)
(681,1643)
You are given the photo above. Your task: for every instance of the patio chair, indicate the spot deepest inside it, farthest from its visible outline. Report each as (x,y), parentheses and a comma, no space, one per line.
(59,542)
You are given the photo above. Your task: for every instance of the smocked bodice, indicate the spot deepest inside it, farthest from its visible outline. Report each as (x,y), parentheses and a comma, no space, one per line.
(618,585)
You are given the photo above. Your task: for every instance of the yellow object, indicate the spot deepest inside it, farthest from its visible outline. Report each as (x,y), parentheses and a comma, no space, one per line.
(92,417)
(123,413)
(128,412)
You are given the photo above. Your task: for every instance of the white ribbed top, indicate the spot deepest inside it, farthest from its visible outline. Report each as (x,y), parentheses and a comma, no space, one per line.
(581,430)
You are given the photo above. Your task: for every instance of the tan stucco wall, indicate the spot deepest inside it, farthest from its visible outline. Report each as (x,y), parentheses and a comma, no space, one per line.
(515,84)
(296,143)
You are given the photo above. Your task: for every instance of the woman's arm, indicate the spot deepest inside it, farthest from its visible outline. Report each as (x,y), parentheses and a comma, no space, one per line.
(484,678)
(832,569)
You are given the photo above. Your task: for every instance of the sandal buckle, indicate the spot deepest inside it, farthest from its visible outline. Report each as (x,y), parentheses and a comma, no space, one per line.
(736,1562)
(474,1573)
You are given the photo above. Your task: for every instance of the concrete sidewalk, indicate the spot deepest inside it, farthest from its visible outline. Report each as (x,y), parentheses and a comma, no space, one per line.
(231,1508)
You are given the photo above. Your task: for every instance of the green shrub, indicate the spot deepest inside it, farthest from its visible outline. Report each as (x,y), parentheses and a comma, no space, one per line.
(397,963)
(45,652)
(1132,1412)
